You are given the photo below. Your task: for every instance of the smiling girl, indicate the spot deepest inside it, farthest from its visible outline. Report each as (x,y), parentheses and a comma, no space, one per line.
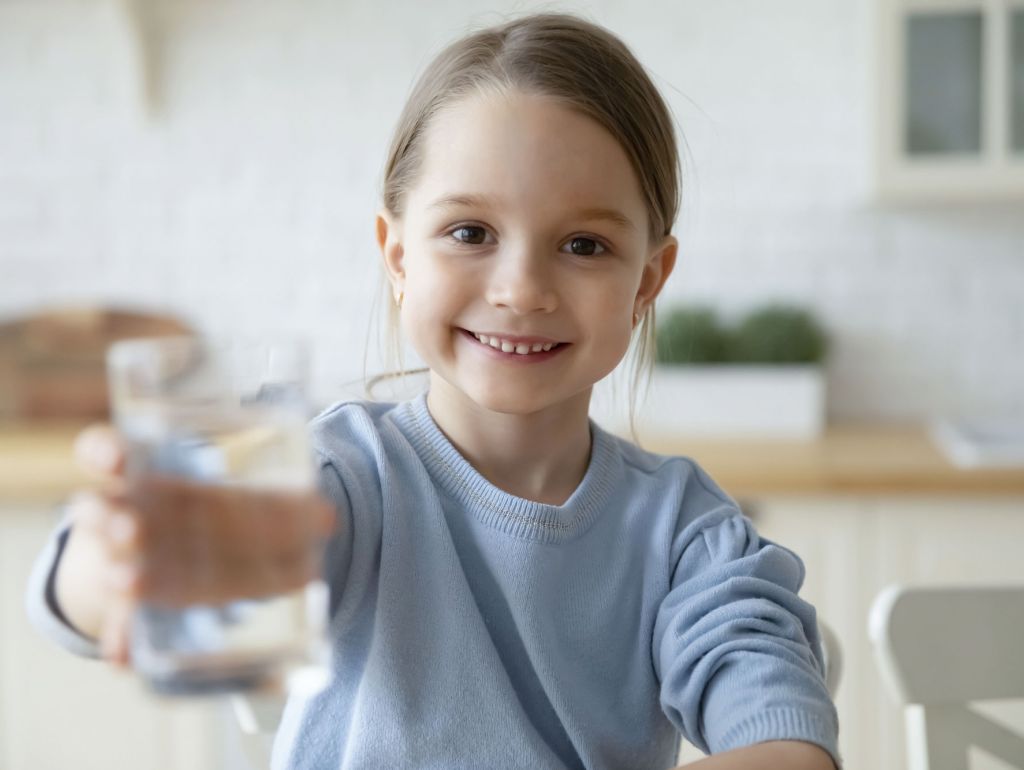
(511,585)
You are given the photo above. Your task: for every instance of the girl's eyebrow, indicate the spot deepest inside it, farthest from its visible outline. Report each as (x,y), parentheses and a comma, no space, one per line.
(593,213)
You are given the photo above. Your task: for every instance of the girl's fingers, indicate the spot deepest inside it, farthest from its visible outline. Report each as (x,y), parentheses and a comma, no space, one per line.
(115,641)
(116,530)
(99,451)
(87,512)
(106,518)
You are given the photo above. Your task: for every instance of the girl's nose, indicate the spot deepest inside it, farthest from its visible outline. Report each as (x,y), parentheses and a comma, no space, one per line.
(522,283)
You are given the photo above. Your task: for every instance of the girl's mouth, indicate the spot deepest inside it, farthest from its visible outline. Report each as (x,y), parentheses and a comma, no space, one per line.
(520,354)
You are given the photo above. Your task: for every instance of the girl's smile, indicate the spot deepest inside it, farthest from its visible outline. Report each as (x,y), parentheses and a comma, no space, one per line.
(514,349)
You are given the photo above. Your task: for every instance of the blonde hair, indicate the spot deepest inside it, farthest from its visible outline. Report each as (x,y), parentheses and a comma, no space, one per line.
(584,67)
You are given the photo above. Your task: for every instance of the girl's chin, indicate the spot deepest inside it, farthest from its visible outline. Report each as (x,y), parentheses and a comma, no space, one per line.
(505,401)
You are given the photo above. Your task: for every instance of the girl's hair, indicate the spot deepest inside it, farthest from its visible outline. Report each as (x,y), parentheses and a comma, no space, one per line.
(584,67)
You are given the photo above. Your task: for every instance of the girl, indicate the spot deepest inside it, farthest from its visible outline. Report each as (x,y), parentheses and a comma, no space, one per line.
(512,586)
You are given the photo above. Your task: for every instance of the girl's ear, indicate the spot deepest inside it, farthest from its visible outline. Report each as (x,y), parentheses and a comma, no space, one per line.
(656,272)
(389,240)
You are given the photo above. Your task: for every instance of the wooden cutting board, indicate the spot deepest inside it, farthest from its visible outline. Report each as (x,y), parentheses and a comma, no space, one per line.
(52,363)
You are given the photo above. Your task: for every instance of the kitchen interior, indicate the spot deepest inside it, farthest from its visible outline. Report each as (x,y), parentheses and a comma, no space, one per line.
(853,180)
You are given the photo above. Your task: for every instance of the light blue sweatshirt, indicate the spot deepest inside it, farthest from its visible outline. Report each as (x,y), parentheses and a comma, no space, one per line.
(475,629)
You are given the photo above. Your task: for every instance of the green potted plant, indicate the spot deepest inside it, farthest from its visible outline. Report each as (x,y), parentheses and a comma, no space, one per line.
(778,335)
(761,376)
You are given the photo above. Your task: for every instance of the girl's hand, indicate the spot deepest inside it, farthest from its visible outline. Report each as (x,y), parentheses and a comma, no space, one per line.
(173,542)
(90,587)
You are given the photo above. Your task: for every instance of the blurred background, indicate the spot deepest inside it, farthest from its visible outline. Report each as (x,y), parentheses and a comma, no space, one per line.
(221,161)
(218,164)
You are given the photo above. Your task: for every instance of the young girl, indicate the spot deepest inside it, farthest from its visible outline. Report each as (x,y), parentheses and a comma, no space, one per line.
(511,585)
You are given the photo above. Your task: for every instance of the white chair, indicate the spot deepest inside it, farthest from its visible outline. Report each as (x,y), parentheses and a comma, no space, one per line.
(938,649)
(258,717)
(833,654)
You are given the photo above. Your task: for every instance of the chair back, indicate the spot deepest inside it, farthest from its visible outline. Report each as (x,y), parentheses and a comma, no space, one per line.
(833,651)
(939,649)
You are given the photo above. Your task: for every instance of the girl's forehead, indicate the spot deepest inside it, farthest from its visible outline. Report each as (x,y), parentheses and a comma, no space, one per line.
(520,147)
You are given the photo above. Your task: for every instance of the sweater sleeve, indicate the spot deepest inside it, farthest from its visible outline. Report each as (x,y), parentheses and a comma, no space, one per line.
(737,652)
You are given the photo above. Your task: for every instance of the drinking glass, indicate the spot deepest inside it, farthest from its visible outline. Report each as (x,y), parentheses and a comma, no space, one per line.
(222,411)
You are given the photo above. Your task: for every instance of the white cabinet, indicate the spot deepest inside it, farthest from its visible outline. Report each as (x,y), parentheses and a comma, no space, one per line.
(852,548)
(58,711)
(949,99)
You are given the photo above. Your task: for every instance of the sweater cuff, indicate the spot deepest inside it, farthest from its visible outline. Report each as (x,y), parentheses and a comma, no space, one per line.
(785,725)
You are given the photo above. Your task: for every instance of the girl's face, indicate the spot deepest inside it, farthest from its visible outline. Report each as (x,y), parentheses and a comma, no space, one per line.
(527,224)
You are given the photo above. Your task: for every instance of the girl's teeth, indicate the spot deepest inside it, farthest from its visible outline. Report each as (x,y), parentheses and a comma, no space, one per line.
(508,347)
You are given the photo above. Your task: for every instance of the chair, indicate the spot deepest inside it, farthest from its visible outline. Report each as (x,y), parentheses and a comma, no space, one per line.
(833,654)
(938,649)
(257,718)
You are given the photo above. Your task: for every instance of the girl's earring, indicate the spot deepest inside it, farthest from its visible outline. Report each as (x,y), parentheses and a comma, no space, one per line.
(399,297)
(636,319)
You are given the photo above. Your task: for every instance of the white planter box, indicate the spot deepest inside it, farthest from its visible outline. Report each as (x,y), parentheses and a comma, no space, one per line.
(725,400)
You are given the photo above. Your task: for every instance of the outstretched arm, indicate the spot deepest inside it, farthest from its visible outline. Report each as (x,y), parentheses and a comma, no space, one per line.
(784,755)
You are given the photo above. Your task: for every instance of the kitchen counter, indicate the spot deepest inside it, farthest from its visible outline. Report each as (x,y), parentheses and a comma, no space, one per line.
(36,464)
(849,459)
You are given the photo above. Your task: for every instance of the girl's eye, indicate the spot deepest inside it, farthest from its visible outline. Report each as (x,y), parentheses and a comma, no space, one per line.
(585,247)
(474,235)
(471,235)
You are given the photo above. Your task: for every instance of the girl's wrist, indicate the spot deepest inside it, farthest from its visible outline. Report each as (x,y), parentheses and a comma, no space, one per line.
(76,588)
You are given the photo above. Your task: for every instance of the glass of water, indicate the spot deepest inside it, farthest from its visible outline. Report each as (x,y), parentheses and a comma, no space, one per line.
(224,412)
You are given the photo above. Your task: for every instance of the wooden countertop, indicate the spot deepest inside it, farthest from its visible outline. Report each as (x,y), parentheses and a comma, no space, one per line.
(36,464)
(852,459)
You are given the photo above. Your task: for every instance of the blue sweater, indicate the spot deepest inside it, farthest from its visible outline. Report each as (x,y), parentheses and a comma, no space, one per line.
(478,629)
(472,628)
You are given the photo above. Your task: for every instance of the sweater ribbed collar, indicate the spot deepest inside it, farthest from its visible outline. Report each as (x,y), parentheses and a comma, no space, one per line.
(515,516)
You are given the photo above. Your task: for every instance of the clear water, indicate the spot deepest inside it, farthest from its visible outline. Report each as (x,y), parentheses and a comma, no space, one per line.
(243,644)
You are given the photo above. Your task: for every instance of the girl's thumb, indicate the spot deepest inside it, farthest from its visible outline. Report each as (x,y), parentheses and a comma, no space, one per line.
(98,450)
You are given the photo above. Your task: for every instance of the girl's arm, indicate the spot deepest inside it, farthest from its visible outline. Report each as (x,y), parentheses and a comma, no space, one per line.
(736,649)
(784,755)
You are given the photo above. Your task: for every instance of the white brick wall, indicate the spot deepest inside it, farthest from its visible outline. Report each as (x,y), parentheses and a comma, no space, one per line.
(248,200)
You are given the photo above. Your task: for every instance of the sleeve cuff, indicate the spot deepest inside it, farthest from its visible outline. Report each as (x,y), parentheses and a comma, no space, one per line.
(784,725)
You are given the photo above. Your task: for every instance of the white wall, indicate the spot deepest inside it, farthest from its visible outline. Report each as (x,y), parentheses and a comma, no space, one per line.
(247,202)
